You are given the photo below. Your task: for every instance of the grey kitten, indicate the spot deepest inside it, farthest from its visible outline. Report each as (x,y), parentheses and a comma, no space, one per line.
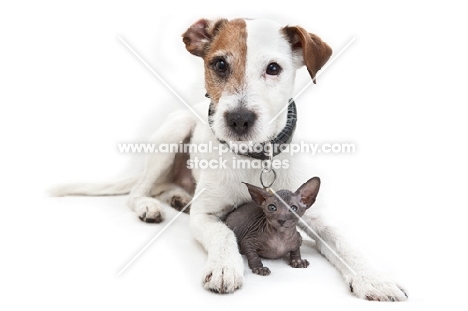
(266,227)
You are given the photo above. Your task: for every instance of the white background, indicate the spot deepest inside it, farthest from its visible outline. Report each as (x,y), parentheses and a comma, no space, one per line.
(70,91)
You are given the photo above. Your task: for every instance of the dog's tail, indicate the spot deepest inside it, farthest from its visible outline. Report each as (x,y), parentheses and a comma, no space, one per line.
(97,189)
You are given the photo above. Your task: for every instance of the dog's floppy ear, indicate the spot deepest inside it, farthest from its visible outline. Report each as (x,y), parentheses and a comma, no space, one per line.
(199,36)
(315,52)
(258,195)
(307,193)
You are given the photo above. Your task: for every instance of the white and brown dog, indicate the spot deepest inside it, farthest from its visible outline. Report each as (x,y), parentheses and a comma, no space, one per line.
(250,66)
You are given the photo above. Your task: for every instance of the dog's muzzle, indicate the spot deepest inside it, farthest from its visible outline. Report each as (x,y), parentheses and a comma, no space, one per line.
(240,121)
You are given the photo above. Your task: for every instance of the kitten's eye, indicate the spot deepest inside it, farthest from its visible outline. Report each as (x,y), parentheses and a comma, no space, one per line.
(271,208)
(273,69)
(294,208)
(221,66)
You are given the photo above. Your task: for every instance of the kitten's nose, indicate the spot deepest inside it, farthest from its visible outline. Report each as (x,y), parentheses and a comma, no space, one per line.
(281,222)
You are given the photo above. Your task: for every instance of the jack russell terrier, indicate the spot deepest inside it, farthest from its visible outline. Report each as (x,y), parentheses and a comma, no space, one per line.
(250,67)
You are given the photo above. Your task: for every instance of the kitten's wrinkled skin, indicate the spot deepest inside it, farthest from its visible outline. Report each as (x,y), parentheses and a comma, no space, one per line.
(266,227)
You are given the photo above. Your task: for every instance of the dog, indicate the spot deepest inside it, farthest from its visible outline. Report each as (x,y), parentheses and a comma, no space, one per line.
(249,67)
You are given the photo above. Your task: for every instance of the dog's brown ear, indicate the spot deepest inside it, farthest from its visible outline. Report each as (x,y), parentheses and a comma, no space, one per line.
(315,52)
(199,36)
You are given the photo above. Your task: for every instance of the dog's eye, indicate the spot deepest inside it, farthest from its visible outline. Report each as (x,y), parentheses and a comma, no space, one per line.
(271,208)
(294,208)
(273,69)
(221,66)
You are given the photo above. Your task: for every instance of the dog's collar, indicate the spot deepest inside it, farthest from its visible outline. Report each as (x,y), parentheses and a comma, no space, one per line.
(278,143)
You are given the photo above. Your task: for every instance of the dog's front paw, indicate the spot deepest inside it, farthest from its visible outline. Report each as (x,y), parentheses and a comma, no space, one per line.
(261,271)
(375,287)
(179,202)
(223,277)
(299,263)
(149,210)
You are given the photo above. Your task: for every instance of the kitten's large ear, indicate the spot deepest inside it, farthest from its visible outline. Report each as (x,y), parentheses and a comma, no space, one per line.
(307,193)
(257,194)
(315,52)
(199,36)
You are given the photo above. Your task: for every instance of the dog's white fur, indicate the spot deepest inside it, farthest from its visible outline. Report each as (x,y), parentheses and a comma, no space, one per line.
(223,189)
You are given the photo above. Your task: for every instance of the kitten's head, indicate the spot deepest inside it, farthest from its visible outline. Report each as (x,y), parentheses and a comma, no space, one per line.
(283,207)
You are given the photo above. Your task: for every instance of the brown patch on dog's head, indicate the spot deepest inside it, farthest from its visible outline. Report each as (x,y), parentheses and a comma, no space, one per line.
(223,46)
(314,51)
(199,36)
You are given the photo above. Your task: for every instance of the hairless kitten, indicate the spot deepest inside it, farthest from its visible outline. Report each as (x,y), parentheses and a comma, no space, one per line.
(266,227)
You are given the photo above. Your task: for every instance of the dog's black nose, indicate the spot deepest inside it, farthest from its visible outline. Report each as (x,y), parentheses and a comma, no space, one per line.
(281,222)
(240,121)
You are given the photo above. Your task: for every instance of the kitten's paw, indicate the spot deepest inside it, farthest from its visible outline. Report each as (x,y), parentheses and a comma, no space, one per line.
(375,287)
(299,263)
(261,271)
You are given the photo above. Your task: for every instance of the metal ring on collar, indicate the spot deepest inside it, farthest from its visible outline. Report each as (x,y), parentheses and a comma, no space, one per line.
(262,182)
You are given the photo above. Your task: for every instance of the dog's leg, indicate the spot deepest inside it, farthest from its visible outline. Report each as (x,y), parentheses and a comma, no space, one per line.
(175,130)
(224,270)
(362,279)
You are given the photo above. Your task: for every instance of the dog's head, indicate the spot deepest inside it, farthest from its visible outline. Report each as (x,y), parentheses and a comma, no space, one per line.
(250,66)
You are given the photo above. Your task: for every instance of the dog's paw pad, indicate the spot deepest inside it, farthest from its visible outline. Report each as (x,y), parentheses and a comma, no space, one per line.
(223,279)
(149,211)
(376,288)
(261,271)
(208,277)
(299,263)
(152,219)
(179,202)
